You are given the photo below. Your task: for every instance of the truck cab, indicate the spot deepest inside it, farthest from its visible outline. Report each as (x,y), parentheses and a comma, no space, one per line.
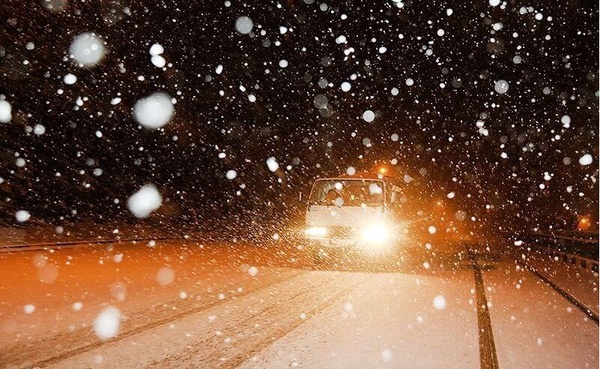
(354,213)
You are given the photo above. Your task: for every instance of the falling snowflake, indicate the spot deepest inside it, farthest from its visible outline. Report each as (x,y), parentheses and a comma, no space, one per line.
(106,324)
(368,116)
(154,111)
(87,49)
(244,25)
(145,201)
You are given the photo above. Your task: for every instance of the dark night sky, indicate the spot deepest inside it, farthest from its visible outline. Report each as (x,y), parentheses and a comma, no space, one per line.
(452,127)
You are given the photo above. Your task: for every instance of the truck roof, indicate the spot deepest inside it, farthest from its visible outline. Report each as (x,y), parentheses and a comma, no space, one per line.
(361,175)
(364,176)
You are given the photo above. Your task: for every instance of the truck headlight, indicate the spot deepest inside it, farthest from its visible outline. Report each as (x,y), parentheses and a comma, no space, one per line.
(315,231)
(376,233)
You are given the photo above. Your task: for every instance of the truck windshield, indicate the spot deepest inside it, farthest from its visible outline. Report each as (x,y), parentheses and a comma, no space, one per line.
(356,192)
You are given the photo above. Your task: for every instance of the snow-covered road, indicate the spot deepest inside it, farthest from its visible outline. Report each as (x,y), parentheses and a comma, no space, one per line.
(189,305)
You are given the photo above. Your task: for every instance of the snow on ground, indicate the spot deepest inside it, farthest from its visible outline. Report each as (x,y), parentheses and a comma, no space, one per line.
(534,327)
(213,305)
(388,322)
(574,279)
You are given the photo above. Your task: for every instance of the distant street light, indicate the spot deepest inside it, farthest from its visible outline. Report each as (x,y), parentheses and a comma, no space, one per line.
(583,224)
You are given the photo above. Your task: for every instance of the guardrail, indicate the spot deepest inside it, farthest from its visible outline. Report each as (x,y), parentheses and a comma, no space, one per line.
(205,236)
(582,252)
(573,259)
(10,247)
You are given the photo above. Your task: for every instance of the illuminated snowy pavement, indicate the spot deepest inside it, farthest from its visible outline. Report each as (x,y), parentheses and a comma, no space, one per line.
(189,305)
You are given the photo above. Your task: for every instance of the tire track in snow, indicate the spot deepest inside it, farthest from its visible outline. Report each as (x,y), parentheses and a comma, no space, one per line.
(487,347)
(281,320)
(572,299)
(145,327)
(240,358)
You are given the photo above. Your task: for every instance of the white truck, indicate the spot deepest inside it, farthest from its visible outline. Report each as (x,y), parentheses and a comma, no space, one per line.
(353,213)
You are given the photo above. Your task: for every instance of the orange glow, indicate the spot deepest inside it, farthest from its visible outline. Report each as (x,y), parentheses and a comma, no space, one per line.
(584,224)
(383,170)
